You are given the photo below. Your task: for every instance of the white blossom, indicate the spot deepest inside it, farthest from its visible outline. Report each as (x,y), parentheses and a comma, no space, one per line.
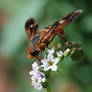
(35,66)
(59,54)
(66,52)
(37,85)
(37,79)
(33,72)
(37,76)
(51,51)
(50,63)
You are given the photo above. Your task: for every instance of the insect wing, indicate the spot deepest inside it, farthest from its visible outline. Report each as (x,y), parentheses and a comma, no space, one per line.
(62,22)
(31,27)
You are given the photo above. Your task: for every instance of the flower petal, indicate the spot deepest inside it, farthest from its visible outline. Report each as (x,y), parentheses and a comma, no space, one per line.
(32,72)
(41,77)
(54,68)
(59,53)
(38,86)
(35,66)
(34,77)
(44,61)
(67,50)
(46,68)
(50,57)
(51,51)
(56,60)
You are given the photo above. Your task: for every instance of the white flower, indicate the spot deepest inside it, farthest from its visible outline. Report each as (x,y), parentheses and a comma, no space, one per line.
(37,79)
(50,63)
(33,72)
(51,51)
(36,85)
(66,52)
(35,66)
(59,54)
(39,76)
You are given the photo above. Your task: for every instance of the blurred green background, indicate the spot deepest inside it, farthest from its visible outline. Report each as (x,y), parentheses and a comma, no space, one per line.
(14,64)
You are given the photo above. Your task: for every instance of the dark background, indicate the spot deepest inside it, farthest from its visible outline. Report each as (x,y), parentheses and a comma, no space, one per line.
(14,64)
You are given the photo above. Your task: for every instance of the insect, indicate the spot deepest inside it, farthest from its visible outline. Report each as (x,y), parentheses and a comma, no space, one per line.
(41,39)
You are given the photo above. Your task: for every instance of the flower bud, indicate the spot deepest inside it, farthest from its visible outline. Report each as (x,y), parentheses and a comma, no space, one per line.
(66,52)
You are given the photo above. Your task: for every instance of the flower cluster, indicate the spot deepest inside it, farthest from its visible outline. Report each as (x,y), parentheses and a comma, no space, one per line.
(37,76)
(49,63)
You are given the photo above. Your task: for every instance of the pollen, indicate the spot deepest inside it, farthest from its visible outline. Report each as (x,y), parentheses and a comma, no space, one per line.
(51,63)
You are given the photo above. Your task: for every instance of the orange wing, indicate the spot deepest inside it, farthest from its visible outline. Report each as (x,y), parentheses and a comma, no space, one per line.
(64,21)
(31,27)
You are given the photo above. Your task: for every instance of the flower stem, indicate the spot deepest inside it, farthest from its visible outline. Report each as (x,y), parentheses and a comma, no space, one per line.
(48,86)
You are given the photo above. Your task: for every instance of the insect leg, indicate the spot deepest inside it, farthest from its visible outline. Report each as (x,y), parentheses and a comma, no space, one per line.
(28,53)
(60,32)
(31,54)
(52,38)
(60,35)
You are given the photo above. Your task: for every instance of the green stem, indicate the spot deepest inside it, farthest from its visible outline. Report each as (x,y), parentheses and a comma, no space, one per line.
(48,87)
(48,78)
